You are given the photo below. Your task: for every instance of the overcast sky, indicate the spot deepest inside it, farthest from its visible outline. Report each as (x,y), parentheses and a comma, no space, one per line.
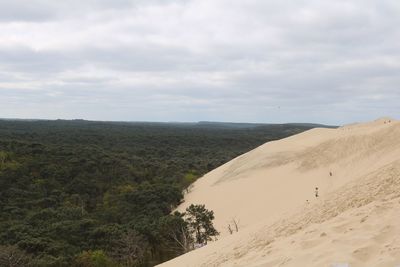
(320,61)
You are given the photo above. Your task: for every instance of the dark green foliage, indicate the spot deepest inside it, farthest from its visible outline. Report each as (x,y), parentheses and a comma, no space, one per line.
(176,233)
(199,221)
(69,189)
(185,230)
(129,249)
(12,256)
(95,258)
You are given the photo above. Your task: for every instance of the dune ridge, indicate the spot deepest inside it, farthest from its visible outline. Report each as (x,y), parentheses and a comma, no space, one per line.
(270,190)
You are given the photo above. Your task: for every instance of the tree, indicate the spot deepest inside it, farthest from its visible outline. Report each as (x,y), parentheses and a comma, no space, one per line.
(130,248)
(96,258)
(12,256)
(177,230)
(73,186)
(199,221)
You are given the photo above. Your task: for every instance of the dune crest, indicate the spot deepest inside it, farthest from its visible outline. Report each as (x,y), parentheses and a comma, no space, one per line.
(271,191)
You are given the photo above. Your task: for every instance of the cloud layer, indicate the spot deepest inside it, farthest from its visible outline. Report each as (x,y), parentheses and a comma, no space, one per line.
(188,60)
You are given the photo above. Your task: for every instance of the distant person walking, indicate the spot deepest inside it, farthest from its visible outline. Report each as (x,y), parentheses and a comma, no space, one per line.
(316,192)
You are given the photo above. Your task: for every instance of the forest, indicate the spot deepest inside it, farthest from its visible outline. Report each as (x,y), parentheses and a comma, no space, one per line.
(85,193)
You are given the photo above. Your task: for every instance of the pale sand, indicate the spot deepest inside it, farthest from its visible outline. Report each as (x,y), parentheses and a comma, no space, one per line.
(356,219)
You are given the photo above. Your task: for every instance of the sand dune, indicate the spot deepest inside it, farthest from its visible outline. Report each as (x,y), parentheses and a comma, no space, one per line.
(271,191)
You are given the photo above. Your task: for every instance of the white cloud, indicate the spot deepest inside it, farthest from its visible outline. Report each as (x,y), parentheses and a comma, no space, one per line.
(322,61)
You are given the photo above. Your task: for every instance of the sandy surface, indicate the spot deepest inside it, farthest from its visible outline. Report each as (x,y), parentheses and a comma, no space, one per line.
(270,190)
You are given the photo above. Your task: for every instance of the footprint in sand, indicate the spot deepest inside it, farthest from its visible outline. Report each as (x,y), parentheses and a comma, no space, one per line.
(341,228)
(364,253)
(385,234)
(310,243)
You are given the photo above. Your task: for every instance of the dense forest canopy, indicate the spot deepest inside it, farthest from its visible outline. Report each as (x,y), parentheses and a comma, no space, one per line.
(82,193)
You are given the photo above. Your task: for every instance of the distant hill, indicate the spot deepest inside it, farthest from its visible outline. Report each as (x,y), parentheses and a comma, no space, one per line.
(253,125)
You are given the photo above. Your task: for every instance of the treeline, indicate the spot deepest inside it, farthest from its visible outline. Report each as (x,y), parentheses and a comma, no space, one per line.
(79,193)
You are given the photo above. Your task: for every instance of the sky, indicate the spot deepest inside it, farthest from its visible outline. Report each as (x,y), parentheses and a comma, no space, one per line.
(320,61)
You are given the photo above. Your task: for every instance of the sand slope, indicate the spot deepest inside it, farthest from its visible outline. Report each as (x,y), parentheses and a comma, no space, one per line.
(355,220)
